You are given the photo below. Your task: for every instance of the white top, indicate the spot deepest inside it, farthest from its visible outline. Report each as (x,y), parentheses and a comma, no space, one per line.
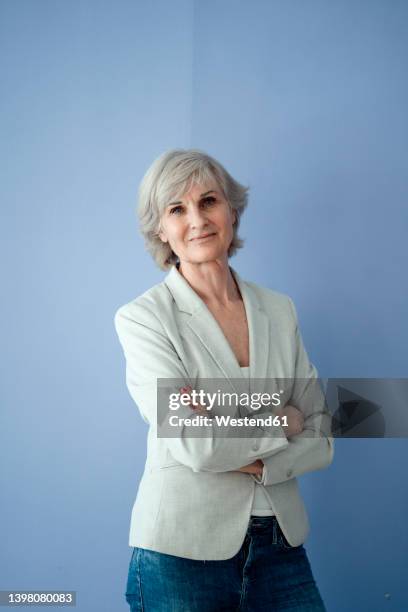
(261,505)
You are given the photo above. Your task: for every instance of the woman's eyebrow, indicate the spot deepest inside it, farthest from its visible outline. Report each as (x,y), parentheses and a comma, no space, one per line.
(201,196)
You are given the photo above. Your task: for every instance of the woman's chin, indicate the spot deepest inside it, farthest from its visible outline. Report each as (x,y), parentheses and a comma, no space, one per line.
(205,256)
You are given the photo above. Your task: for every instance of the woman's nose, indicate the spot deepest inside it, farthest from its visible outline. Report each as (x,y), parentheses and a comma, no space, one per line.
(197,217)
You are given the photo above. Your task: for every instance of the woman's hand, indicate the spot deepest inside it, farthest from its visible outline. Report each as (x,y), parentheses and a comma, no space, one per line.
(198,408)
(252,468)
(295,420)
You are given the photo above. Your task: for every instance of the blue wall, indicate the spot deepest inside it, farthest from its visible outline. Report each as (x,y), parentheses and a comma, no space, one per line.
(305,103)
(92,92)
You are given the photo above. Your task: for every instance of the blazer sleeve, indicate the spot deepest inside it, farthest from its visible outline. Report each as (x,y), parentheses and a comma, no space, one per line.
(150,355)
(313,448)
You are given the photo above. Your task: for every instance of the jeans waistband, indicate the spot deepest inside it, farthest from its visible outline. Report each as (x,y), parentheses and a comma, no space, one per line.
(262,524)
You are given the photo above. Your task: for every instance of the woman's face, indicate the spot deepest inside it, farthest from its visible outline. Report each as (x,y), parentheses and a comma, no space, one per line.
(199,226)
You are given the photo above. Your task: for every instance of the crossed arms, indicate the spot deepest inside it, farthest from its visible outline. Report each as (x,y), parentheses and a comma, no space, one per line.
(150,355)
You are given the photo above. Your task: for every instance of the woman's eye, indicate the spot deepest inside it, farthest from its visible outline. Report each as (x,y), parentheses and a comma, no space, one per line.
(208,201)
(175,210)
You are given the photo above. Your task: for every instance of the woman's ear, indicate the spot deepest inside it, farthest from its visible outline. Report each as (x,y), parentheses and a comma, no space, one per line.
(234,216)
(161,234)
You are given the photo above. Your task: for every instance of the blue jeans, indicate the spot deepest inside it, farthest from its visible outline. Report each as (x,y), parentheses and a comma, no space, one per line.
(266,574)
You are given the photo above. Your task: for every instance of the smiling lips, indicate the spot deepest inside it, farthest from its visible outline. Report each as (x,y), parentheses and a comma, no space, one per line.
(203,237)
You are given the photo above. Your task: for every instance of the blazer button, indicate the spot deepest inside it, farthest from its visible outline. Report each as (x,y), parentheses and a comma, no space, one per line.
(255,446)
(289,473)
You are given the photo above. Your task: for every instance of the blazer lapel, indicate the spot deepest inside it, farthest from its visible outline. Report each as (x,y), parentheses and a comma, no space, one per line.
(210,334)
(259,331)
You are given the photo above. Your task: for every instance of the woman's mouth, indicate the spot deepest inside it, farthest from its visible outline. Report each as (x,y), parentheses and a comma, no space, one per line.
(203,237)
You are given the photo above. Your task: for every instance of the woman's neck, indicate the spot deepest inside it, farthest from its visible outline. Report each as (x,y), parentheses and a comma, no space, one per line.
(212,281)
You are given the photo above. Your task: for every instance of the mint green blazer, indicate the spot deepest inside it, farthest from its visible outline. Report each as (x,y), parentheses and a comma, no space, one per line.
(190,502)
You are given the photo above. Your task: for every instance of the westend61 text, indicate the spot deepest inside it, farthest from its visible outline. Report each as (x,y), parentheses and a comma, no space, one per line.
(252,400)
(228,421)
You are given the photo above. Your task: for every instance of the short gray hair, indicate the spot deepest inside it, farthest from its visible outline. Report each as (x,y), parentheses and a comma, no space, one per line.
(170,177)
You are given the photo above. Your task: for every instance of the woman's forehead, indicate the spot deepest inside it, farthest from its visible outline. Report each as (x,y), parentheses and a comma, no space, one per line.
(194,188)
(199,190)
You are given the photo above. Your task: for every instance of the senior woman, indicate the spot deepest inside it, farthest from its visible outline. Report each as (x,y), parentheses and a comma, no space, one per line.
(218,522)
